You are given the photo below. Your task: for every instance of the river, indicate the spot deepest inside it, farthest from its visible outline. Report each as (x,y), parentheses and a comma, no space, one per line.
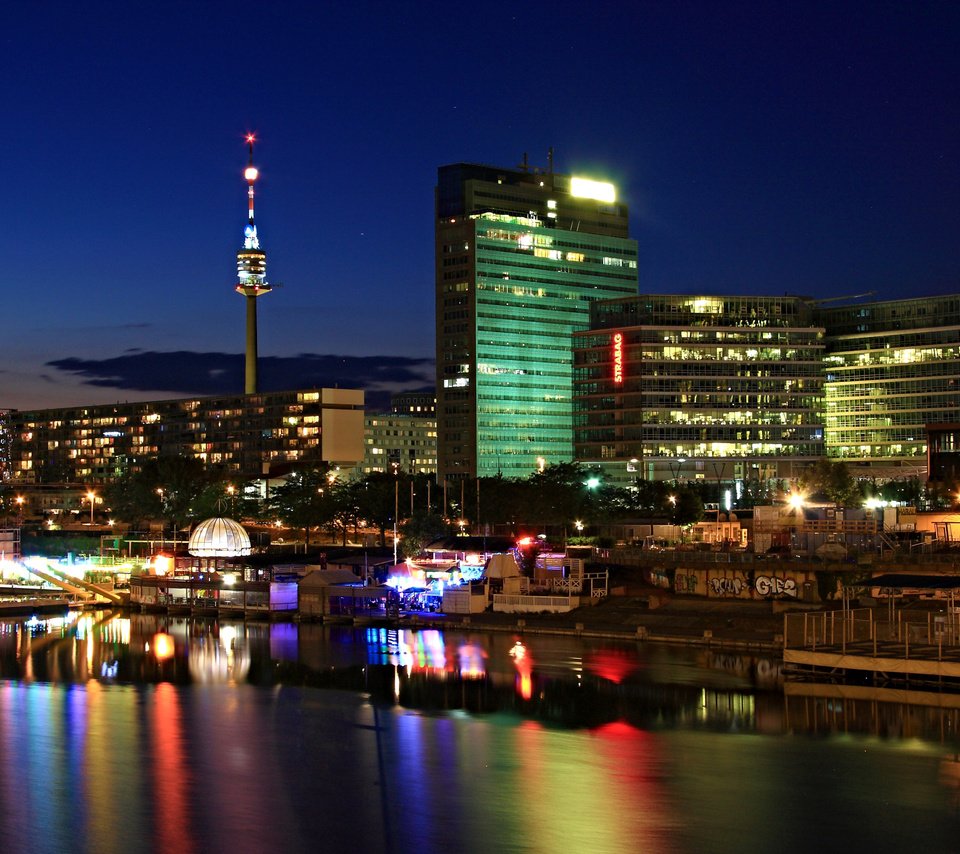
(123,733)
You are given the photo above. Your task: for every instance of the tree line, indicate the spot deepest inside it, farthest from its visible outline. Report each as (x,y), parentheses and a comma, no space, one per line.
(567,498)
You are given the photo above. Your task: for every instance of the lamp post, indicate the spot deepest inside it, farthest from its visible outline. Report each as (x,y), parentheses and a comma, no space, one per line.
(19,501)
(396,508)
(718,470)
(91,496)
(675,468)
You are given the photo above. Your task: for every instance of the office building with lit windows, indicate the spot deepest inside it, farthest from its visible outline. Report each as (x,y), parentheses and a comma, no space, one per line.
(892,373)
(401,439)
(722,389)
(252,435)
(423,404)
(520,256)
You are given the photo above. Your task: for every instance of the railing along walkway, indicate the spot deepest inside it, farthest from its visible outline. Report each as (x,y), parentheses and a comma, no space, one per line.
(854,639)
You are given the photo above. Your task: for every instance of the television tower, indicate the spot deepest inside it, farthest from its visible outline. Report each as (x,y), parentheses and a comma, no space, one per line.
(251,274)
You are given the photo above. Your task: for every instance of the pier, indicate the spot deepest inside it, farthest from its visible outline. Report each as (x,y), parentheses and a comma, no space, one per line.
(893,645)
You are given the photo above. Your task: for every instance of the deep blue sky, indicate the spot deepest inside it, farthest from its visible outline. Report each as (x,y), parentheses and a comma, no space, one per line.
(807,147)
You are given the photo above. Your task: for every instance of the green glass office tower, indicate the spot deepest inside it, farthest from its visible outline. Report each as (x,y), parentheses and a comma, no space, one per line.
(520,255)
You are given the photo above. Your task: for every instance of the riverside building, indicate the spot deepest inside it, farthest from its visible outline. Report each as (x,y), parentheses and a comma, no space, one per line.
(892,371)
(252,436)
(670,387)
(520,256)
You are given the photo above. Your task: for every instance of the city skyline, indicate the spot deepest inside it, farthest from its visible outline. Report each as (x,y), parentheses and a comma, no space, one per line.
(760,150)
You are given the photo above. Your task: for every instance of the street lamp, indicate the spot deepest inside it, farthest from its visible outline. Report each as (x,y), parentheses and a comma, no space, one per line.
(90,497)
(396,507)
(675,468)
(579,526)
(19,500)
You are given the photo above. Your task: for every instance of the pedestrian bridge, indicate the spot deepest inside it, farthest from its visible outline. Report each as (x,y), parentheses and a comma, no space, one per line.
(78,587)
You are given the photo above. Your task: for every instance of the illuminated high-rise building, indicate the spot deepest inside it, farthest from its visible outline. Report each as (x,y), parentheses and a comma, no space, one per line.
(722,389)
(892,372)
(520,255)
(251,275)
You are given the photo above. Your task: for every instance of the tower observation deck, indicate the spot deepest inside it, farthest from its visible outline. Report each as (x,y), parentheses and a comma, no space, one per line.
(251,274)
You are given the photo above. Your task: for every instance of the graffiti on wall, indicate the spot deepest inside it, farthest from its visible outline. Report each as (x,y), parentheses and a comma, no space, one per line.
(727,586)
(685,583)
(771,585)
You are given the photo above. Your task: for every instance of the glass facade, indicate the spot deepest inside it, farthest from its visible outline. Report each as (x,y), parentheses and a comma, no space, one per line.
(698,387)
(891,369)
(512,287)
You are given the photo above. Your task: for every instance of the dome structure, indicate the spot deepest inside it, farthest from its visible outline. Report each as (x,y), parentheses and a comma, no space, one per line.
(219,537)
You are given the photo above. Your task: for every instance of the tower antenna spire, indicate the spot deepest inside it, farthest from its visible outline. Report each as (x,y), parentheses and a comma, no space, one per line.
(251,174)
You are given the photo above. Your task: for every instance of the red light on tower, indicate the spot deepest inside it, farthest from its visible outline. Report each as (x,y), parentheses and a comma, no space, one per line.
(618,358)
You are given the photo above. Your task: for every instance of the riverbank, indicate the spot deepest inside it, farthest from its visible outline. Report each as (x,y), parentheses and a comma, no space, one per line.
(734,624)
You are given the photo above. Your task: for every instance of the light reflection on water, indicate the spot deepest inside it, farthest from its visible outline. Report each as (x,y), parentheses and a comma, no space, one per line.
(259,737)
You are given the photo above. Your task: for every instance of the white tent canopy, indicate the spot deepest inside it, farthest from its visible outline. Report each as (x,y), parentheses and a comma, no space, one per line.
(502,566)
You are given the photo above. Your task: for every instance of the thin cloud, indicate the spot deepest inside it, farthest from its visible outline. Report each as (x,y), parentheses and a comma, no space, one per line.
(212,374)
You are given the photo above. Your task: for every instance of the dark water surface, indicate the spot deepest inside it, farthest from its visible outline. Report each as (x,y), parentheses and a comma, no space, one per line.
(124,733)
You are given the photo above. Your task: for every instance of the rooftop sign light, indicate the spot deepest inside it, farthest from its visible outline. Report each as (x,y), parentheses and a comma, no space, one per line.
(585,188)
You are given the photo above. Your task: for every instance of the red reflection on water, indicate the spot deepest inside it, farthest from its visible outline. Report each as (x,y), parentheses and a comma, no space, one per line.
(614,665)
(619,729)
(170,773)
(524,665)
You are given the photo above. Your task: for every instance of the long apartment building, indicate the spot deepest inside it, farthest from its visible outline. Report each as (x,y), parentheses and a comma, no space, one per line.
(251,436)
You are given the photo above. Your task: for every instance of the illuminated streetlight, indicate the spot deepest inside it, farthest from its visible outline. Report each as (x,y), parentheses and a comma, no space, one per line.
(796,500)
(579,526)
(90,497)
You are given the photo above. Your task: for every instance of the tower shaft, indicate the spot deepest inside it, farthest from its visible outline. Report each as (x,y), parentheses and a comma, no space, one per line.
(250,373)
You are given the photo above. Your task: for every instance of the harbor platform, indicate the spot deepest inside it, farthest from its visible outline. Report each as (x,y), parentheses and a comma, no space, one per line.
(881,645)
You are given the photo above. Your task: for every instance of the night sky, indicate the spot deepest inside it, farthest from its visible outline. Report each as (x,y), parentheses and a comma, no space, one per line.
(763,148)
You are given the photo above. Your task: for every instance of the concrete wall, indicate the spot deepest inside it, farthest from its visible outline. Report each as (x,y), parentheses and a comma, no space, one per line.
(775,580)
